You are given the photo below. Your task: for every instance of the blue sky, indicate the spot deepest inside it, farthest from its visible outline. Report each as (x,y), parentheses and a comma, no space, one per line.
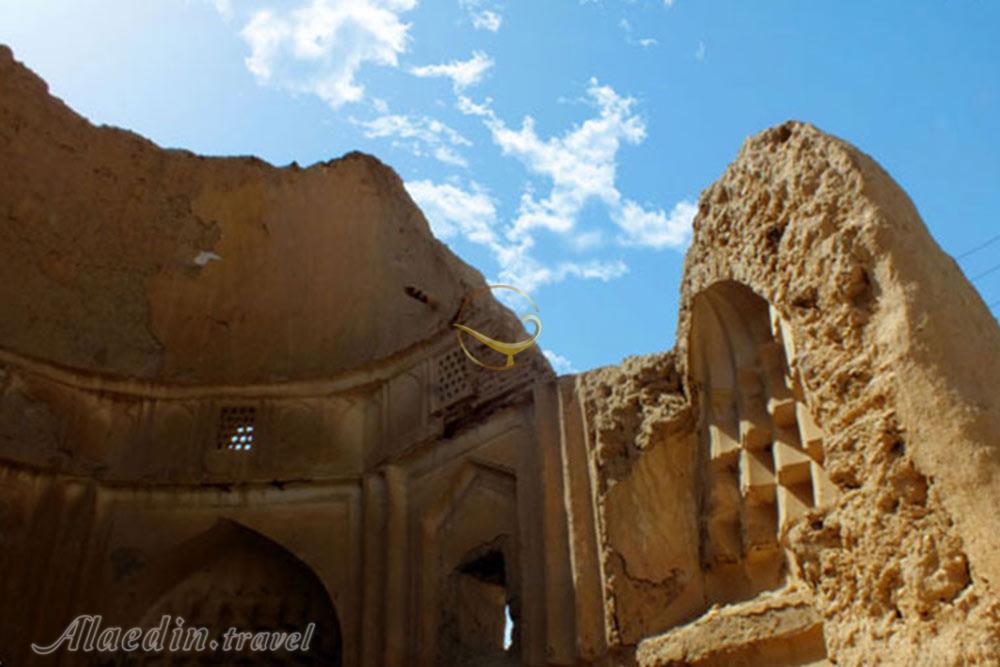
(556,144)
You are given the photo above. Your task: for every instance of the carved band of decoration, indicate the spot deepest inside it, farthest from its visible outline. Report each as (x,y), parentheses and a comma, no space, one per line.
(456,383)
(765,451)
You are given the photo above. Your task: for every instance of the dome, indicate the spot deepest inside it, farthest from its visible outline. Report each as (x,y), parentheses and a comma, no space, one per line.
(123,258)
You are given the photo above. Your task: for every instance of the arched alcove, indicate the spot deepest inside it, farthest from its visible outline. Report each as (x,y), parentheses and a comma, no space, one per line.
(479,602)
(472,580)
(762,453)
(231,576)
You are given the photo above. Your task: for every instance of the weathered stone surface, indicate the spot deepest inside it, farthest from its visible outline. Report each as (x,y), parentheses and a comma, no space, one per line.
(809,477)
(160,264)
(157,308)
(815,308)
(905,565)
(773,629)
(641,433)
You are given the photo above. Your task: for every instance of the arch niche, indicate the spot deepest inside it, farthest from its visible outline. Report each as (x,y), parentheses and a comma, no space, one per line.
(231,576)
(762,453)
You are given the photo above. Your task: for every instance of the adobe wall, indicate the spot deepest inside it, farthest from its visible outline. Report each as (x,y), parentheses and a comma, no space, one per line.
(808,477)
(898,356)
(384,483)
(120,257)
(807,251)
(400,476)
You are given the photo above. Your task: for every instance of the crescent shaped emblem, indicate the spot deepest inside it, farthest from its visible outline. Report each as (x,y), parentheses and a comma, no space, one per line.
(509,350)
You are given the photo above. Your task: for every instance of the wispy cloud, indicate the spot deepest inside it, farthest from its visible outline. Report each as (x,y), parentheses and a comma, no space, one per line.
(319,45)
(523,269)
(471,213)
(453,211)
(644,42)
(699,54)
(470,108)
(487,20)
(483,14)
(560,364)
(420,135)
(655,228)
(463,73)
(581,166)
(580,169)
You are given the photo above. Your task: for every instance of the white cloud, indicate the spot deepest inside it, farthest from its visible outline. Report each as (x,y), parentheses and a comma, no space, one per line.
(470,108)
(482,17)
(560,364)
(594,270)
(656,229)
(463,73)
(319,46)
(265,34)
(471,214)
(644,42)
(581,166)
(700,53)
(451,211)
(521,268)
(449,155)
(487,20)
(420,135)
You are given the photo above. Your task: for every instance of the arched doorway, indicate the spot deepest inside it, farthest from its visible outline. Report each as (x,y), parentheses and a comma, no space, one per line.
(481,613)
(233,577)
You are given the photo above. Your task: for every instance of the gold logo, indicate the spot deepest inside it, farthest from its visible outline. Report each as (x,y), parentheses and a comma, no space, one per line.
(506,349)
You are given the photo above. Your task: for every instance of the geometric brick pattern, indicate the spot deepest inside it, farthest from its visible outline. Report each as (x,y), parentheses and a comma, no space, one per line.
(766,453)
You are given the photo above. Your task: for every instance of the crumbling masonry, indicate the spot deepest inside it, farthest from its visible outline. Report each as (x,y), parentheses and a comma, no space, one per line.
(230,392)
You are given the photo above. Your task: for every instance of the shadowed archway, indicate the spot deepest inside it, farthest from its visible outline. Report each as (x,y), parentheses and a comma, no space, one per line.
(233,577)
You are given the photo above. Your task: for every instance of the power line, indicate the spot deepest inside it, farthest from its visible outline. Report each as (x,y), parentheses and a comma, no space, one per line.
(985,273)
(979,247)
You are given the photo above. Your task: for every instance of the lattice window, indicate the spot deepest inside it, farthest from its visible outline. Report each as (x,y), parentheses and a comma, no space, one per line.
(236,428)
(451,379)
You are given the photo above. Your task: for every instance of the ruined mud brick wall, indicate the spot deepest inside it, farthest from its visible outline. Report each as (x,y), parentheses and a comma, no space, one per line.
(809,476)
(154,303)
(121,257)
(834,377)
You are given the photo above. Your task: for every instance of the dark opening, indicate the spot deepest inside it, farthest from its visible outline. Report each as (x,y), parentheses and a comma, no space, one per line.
(480,617)
(488,568)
